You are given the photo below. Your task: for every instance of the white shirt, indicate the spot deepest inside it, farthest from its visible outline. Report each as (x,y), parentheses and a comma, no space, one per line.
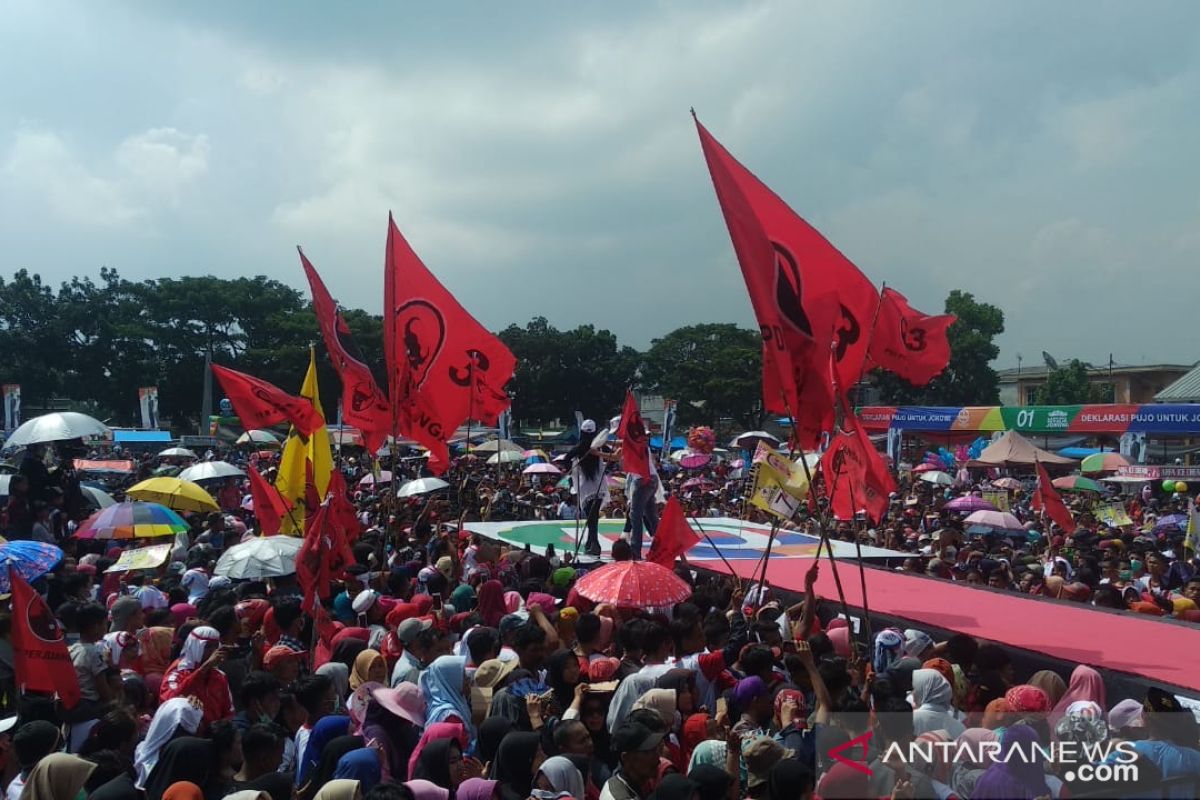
(150,598)
(301,742)
(196,583)
(14,788)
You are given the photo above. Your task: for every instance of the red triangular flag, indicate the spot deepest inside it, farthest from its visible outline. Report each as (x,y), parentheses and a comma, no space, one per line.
(363,404)
(312,562)
(856,476)
(40,656)
(341,510)
(911,344)
(261,404)
(1046,498)
(807,271)
(673,537)
(635,445)
(443,366)
(269,505)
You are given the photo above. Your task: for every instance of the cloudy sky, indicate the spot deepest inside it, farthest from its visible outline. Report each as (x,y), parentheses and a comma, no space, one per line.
(541,158)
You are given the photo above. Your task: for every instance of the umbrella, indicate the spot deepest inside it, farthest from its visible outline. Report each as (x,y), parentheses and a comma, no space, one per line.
(57,427)
(210,470)
(1169,521)
(541,469)
(30,560)
(937,478)
(997,520)
(536,453)
(695,461)
(98,498)
(421,486)
(369,479)
(131,521)
(1077,483)
(167,469)
(634,584)
(1103,462)
(258,437)
(506,457)
(177,452)
(750,439)
(498,445)
(969,503)
(1007,483)
(260,557)
(565,483)
(926,467)
(697,483)
(173,493)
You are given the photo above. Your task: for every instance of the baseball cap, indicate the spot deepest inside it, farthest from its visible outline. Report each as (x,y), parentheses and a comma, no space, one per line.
(588,426)
(364,600)
(634,737)
(445,566)
(407,630)
(760,755)
(510,622)
(279,653)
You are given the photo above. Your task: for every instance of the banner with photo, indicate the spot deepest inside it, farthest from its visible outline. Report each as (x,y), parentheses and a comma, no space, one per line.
(12,406)
(148,402)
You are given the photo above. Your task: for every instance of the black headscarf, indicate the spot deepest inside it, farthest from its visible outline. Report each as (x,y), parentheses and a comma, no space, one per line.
(513,766)
(556,665)
(713,782)
(491,732)
(185,759)
(675,787)
(398,736)
(119,788)
(277,784)
(434,762)
(335,749)
(788,778)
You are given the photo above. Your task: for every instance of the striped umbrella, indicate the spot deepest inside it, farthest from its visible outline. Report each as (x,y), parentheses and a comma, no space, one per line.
(634,584)
(132,521)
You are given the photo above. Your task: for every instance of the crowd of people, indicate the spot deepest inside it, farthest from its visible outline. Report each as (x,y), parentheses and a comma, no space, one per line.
(445,665)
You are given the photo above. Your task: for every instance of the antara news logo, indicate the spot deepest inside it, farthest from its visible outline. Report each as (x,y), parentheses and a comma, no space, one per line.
(1103,762)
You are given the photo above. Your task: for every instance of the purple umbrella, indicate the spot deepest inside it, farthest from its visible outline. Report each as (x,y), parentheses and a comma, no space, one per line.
(969,504)
(1169,521)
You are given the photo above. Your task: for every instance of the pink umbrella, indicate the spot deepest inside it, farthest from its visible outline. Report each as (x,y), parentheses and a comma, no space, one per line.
(1000,520)
(695,483)
(926,467)
(369,479)
(541,469)
(695,461)
(969,504)
(1006,483)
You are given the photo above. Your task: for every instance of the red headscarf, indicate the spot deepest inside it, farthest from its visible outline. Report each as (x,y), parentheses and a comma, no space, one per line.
(695,731)
(423,602)
(490,603)
(1026,698)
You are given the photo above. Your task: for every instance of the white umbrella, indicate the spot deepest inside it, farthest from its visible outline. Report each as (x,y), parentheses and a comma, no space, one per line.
(937,478)
(497,445)
(506,457)
(57,427)
(177,452)
(98,497)
(261,557)
(369,479)
(421,486)
(208,470)
(257,437)
(542,469)
(750,439)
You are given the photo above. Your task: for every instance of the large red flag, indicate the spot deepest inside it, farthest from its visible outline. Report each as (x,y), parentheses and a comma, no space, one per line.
(40,655)
(635,444)
(1046,498)
(909,343)
(363,404)
(806,270)
(269,505)
(673,537)
(341,510)
(443,366)
(261,405)
(797,326)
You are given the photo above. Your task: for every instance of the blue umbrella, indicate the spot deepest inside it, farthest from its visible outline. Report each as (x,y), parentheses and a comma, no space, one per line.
(30,560)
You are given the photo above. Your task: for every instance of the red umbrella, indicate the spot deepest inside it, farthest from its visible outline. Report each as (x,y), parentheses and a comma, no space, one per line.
(926,467)
(634,584)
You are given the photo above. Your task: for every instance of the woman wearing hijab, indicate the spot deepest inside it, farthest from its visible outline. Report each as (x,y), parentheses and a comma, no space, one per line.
(369,667)
(433,733)
(491,733)
(683,683)
(478,789)
(324,732)
(330,756)
(713,783)
(448,694)
(965,771)
(593,713)
(889,647)
(360,765)
(491,603)
(184,790)
(341,789)
(58,776)
(441,762)
(347,648)
(932,698)
(463,598)
(187,759)
(396,735)
(1086,684)
(339,674)
(1026,699)
(995,716)
(179,716)
(155,647)
(710,752)
(562,675)
(1014,778)
(675,787)
(558,774)
(424,790)
(517,761)
(1051,683)
(197,674)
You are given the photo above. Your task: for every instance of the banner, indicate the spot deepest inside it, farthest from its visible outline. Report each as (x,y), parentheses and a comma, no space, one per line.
(148,402)
(1182,418)
(998,499)
(1112,514)
(769,493)
(668,428)
(795,480)
(142,558)
(12,406)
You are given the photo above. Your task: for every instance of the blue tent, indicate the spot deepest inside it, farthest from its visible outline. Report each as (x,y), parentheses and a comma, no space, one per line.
(678,443)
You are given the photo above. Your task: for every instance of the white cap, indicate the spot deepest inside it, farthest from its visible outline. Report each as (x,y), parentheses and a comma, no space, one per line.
(614,424)
(588,426)
(364,600)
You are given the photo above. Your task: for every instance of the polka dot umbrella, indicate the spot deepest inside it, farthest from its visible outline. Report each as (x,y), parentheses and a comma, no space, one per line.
(634,584)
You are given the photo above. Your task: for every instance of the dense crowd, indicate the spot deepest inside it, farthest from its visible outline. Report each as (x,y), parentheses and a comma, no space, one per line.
(448,666)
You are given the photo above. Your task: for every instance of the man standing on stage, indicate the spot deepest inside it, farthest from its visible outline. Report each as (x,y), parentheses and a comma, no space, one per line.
(587,481)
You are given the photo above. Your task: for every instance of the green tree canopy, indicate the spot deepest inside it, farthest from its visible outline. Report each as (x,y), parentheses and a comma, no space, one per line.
(1070,385)
(713,370)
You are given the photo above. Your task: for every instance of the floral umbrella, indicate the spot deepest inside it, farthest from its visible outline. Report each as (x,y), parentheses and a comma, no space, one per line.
(634,584)
(30,560)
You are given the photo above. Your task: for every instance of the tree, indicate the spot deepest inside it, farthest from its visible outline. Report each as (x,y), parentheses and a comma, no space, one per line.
(1069,385)
(969,379)
(714,370)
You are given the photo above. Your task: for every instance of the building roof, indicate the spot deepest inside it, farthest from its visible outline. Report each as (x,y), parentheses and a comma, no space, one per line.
(1013,373)
(1185,389)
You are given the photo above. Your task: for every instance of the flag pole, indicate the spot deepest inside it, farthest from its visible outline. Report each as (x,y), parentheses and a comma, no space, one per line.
(713,545)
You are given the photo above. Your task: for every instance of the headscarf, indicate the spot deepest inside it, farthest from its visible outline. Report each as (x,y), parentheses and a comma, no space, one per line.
(341,789)
(463,598)
(330,755)
(964,772)
(513,766)
(182,612)
(556,665)
(1049,682)
(1086,684)
(339,674)
(176,713)
(694,731)
(513,602)
(475,789)
(423,602)
(943,667)
(996,714)
(931,700)
(442,685)
(192,654)
(397,735)
(711,752)
(436,732)
(936,768)
(673,787)
(185,759)
(155,644)
(325,731)
(492,731)
(563,776)
(660,701)
(363,664)
(424,790)
(361,765)
(491,603)
(185,790)
(901,672)
(713,782)
(889,645)
(116,644)
(782,696)
(57,776)
(843,780)
(1053,586)
(1026,699)
(1083,723)
(1126,714)
(784,781)
(433,762)
(1015,779)
(840,639)
(916,642)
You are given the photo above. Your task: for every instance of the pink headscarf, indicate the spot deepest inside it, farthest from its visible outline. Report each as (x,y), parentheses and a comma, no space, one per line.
(840,637)
(424,790)
(438,730)
(512,602)
(1086,684)
(182,612)
(476,789)
(491,603)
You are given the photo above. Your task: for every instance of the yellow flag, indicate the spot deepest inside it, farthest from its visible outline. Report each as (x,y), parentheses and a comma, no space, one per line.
(301,454)
(793,479)
(1192,540)
(770,492)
